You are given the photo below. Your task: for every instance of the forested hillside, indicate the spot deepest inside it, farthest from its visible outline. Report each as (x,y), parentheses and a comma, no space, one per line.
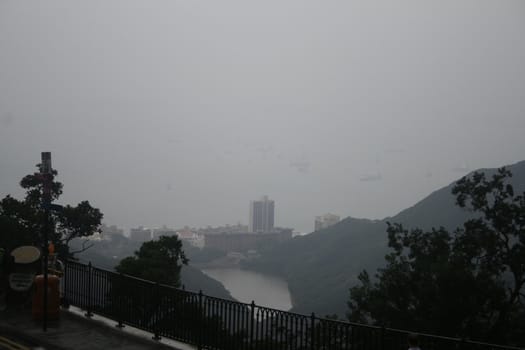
(322,266)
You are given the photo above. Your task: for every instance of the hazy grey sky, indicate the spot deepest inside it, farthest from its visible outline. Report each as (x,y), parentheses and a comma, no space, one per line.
(181,112)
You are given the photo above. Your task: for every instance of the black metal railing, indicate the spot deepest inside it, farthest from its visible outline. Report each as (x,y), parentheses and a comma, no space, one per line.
(214,323)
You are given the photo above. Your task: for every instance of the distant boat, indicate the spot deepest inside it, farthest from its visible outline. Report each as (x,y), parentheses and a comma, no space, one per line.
(371,177)
(301,165)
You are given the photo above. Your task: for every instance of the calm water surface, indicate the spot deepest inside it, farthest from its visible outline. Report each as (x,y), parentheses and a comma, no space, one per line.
(246,286)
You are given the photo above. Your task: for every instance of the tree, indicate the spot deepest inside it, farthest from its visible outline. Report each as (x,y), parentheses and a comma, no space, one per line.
(22,221)
(468,284)
(157,261)
(173,311)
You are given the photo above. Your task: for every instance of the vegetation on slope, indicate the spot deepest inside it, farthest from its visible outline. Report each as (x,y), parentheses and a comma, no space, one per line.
(469,283)
(108,252)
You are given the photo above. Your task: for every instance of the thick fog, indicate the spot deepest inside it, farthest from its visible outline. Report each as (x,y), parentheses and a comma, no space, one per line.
(181,112)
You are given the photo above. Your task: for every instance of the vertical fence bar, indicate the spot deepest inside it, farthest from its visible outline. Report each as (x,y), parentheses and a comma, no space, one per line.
(200,324)
(63,300)
(383,331)
(74,285)
(96,290)
(301,332)
(312,331)
(231,324)
(269,329)
(156,311)
(463,344)
(117,299)
(257,329)
(89,302)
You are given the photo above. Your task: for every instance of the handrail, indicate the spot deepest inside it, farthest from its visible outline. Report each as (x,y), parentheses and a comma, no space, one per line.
(214,323)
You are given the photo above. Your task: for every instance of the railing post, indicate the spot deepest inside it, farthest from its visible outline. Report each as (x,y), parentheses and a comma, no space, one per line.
(312,335)
(252,323)
(89,307)
(157,301)
(200,330)
(463,344)
(64,301)
(383,333)
(118,299)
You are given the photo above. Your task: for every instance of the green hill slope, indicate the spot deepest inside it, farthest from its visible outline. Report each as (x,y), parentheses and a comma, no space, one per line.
(194,280)
(322,266)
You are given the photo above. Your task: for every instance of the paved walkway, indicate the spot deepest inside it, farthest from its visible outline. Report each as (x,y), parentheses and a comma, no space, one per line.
(75,331)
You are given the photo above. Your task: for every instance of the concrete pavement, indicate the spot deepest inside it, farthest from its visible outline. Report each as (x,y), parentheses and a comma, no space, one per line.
(75,331)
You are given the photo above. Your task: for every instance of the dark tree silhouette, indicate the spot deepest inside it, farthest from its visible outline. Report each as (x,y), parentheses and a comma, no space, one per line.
(22,221)
(158,261)
(468,284)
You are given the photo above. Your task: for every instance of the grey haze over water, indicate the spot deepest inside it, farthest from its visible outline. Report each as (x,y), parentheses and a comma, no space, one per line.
(181,112)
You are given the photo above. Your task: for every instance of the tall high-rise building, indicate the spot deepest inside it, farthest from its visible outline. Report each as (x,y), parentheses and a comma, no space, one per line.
(261,215)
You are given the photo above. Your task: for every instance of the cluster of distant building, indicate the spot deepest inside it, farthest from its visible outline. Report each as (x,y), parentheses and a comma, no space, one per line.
(262,217)
(260,230)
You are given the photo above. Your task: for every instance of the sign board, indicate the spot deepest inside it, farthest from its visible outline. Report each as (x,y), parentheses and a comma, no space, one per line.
(21,282)
(26,254)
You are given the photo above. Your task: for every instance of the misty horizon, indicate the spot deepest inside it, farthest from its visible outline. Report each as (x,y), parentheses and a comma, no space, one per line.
(181,113)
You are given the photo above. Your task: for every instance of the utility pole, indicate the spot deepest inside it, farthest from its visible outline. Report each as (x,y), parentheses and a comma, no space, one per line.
(46,172)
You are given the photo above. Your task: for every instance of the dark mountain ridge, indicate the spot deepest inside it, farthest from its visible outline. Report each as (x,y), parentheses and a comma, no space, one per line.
(439,208)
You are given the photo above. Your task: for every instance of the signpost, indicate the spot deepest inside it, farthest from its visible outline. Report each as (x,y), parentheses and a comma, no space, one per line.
(47,176)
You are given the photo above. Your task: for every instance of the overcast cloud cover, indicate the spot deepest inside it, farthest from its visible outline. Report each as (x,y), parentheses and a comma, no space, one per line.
(181,112)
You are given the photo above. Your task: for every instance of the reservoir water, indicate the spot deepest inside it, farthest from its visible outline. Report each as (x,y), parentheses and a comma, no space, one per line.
(246,286)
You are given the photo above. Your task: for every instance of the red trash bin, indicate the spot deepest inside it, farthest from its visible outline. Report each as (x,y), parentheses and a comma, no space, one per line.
(53,297)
